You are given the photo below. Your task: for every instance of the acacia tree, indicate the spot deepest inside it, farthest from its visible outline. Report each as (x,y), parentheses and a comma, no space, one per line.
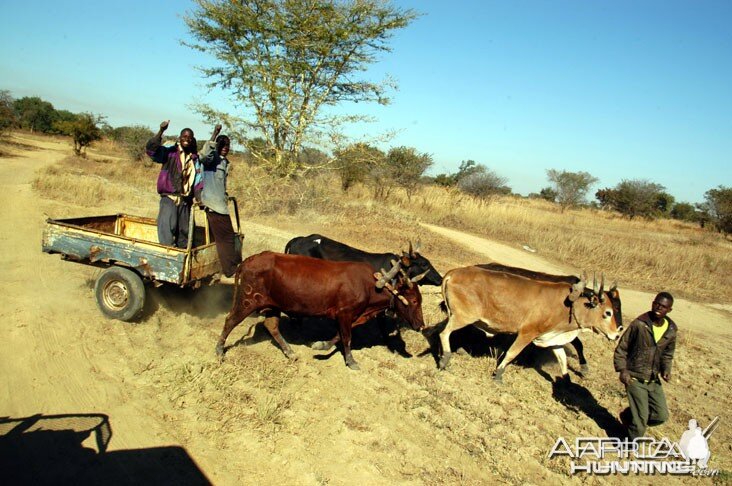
(283,61)
(571,187)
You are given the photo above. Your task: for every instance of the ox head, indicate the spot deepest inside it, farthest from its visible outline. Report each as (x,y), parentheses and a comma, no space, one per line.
(415,265)
(591,308)
(408,298)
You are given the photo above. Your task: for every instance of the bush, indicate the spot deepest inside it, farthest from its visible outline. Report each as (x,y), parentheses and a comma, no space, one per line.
(132,139)
(83,129)
(483,183)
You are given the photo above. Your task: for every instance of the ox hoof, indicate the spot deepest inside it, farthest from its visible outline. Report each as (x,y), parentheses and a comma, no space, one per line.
(321,345)
(220,350)
(351,363)
(564,381)
(498,377)
(584,369)
(444,360)
(291,355)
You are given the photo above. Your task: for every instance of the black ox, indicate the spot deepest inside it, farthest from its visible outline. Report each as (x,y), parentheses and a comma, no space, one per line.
(319,246)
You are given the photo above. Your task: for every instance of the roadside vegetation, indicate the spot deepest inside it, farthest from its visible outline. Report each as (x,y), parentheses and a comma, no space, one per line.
(641,253)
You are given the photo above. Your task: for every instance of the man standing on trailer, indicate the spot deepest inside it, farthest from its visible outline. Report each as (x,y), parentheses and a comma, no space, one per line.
(179,181)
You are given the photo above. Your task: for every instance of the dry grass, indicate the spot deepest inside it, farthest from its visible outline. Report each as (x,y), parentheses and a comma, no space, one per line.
(93,181)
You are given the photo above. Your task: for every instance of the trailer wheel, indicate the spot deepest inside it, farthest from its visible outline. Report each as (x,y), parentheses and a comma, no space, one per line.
(120,293)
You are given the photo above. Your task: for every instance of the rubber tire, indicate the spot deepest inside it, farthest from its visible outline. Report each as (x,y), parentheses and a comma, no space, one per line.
(120,293)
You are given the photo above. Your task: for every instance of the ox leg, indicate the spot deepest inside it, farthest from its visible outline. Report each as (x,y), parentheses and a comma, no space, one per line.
(344,329)
(326,345)
(235,316)
(579,347)
(445,345)
(272,323)
(521,341)
(561,356)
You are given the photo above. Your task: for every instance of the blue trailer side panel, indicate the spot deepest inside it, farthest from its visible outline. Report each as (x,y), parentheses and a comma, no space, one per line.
(151,261)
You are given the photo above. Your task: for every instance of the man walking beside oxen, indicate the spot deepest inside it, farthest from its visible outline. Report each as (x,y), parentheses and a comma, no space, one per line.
(643,357)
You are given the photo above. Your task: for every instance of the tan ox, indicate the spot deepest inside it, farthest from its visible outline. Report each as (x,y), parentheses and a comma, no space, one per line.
(549,314)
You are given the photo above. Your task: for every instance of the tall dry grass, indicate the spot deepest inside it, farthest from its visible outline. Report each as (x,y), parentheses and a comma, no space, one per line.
(94,181)
(649,255)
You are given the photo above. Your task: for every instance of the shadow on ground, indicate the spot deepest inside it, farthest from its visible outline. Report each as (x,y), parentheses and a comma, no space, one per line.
(381,331)
(50,449)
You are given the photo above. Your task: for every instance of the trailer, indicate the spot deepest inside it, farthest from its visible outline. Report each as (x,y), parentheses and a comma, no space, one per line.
(127,248)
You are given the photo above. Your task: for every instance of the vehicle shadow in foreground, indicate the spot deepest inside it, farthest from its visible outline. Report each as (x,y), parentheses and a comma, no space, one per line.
(50,449)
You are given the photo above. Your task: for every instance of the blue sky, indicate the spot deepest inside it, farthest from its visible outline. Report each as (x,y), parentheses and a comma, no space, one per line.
(621,89)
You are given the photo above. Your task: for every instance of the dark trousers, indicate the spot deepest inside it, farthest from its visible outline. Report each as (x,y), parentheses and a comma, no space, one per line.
(173,222)
(647,406)
(224,236)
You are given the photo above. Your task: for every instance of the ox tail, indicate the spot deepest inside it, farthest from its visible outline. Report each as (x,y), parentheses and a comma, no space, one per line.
(237,286)
(445,304)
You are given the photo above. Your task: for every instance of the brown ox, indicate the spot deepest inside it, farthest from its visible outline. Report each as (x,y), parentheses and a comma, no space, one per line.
(613,294)
(348,292)
(549,314)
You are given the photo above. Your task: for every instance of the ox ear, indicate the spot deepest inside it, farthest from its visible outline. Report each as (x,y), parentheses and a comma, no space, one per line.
(576,290)
(613,287)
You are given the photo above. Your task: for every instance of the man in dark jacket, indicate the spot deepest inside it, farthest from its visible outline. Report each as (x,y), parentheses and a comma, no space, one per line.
(180,179)
(643,356)
(215,199)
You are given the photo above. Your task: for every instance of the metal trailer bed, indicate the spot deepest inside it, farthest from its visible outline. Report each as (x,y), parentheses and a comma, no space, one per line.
(127,247)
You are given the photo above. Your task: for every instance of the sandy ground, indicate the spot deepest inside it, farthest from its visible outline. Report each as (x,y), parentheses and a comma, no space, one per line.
(179,416)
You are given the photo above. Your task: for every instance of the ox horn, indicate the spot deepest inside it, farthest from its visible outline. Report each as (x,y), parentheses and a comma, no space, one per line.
(417,246)
(386,276)
(601,294)
(419,277)
(411,252)
(406,277)
(594,282)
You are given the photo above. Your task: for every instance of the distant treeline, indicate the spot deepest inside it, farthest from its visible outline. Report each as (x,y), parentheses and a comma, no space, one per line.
(402,168)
